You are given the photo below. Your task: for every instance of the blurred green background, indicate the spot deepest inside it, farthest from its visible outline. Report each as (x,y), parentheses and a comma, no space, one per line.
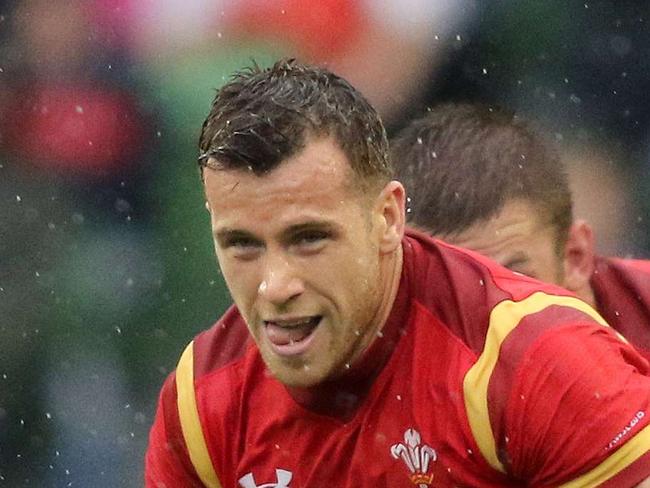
(106,262)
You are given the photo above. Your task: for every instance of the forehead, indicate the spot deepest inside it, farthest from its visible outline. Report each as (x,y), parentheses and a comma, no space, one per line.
(516,223)
(314,180)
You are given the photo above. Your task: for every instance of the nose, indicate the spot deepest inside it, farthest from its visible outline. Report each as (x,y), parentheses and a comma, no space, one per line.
(280,282)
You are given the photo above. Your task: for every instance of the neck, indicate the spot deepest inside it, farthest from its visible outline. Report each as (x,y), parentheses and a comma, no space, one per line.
(586,294)
(392,272)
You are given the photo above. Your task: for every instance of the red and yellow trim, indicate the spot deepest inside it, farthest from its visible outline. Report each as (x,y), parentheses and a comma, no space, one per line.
(190,421)
(504,318)
(624,456)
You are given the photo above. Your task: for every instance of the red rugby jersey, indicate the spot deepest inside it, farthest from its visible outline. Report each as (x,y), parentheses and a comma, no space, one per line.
(481,378)
(622,291)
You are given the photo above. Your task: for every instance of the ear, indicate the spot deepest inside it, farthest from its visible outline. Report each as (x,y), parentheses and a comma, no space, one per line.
(579,259)
(389,210)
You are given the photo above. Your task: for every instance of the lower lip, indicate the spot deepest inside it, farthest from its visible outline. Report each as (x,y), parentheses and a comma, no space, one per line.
(296,348)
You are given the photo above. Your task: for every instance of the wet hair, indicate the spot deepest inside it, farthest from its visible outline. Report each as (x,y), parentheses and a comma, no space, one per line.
(461,163)
(264,116)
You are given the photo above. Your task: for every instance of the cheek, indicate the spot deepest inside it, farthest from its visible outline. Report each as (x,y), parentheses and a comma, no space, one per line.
(241,281)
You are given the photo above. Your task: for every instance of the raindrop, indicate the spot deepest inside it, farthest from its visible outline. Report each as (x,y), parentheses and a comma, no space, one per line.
(575,98)
(122,206)
(419,140)
(469,451)
(481,282)
(458,38)
(79,109)
(48,415)
(380,334)
(118,330)
(434,154)
(277,446)
(77,218)
(18,198)
(399,397)
(158,134)
(347,365)
(484,71)
(219,35)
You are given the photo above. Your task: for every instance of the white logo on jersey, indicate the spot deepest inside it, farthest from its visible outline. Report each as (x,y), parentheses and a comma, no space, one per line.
(416,457)
(283,479)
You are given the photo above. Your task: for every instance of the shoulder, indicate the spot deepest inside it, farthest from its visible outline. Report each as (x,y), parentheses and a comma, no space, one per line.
(638,267)
(474,297)
(227,341)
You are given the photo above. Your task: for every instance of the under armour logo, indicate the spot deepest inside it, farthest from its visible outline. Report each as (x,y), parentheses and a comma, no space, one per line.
(283,480)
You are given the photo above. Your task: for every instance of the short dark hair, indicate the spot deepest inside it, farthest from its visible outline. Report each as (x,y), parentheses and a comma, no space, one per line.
(460,163)
(264,116)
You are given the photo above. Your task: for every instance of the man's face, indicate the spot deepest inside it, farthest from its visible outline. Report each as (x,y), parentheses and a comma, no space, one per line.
(299,253)
(517,239)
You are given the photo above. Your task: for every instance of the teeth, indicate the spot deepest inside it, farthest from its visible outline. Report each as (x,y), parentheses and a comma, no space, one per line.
(294,323)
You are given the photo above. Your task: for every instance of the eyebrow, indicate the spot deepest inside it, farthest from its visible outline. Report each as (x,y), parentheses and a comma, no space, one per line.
(223,235)
(310,225)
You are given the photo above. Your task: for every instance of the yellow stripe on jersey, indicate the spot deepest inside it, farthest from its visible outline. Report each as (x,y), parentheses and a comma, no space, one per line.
(504,318)
(629,452)
(190,422)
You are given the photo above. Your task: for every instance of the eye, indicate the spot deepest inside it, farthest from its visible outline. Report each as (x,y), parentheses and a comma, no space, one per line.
(310,240)
(521,267)
(242,247)
(311,237)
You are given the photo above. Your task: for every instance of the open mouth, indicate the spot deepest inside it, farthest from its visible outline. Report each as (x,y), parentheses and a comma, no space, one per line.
(291,337)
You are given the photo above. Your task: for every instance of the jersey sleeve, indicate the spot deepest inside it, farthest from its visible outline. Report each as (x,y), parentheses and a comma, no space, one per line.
(167,463)
(577,413)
